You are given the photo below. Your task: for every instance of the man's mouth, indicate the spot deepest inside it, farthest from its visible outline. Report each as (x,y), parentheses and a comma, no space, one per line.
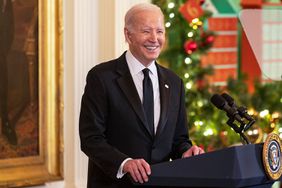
(151,48)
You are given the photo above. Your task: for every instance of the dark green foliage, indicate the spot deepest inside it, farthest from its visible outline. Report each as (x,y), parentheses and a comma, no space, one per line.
(207,125)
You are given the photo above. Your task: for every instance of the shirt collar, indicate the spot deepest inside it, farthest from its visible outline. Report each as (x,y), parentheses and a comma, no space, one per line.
(136,67)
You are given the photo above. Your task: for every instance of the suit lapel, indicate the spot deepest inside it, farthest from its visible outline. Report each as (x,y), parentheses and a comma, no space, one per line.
(126,84)
(164,99)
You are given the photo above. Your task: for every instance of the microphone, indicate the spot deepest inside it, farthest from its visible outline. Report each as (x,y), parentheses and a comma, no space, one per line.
(221,104)
(243,112)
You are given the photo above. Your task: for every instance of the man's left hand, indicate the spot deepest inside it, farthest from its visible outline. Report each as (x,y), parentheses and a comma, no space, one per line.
(194,150)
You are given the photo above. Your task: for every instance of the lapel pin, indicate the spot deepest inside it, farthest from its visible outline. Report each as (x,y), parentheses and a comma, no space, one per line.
(166,86)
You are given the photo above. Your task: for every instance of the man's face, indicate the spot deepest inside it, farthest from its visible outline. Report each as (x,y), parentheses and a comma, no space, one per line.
(147,36)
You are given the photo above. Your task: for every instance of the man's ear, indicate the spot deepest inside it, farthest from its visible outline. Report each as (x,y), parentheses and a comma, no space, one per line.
(127,35)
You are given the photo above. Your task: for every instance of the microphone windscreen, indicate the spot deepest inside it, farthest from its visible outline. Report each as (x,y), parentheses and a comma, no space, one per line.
(218,101)
(228,98)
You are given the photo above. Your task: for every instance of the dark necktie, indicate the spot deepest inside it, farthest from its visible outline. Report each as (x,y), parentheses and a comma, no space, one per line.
(148,99)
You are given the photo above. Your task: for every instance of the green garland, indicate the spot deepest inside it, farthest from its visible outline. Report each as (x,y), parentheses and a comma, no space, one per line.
(207,125)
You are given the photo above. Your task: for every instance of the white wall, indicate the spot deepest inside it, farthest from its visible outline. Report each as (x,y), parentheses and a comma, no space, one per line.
(93,32)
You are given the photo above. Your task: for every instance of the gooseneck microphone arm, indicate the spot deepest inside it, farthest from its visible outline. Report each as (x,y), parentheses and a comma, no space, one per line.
(235,121)
(242,110)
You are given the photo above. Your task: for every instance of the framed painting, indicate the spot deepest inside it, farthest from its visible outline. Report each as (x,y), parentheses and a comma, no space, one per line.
(31,92)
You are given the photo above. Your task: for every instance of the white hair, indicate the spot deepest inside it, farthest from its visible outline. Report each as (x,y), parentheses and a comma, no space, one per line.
(130,15)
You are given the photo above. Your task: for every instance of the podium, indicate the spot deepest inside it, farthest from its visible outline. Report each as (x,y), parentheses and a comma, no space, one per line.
(238,166)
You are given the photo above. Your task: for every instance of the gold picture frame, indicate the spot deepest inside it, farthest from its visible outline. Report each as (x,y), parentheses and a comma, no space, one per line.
(48,164)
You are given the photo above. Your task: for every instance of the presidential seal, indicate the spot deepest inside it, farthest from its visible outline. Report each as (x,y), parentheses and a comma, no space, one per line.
(271,156)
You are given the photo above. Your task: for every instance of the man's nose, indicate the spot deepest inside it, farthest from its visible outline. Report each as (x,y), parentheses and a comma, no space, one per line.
(153,37)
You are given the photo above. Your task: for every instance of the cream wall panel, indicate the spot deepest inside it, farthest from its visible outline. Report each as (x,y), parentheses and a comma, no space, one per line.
(106,30)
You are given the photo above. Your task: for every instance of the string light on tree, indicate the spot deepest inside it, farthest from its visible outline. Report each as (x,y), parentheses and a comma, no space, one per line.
(171,15)
(189,85)
(275,115)
(196,22)
(190,34)
(264,113)
(198,123)
(200,103)
(167,24)
(208,132)
(188,60)
(171,5)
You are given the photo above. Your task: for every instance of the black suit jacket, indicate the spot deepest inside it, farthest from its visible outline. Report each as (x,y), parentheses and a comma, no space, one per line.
(112,122)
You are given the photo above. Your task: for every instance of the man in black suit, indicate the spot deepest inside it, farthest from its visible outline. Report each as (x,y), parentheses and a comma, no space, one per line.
(130,117)
(6,39)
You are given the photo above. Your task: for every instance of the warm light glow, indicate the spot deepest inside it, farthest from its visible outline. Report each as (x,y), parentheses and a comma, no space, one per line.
(188,60)
(263,113)
(186,75)
(171,5)
(192,113)
(198,123)
(208,132)
(251,112)
(190,34)
(189,85)
(199,23)
(272,125)
(171,15)
(195,27)
(275,115)
(255,131)
(195,20)
(200,103)
(252,132)
(167,24)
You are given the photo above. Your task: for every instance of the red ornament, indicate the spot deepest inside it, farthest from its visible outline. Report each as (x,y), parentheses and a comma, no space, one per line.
(209,39)
(201,84)
(190,46)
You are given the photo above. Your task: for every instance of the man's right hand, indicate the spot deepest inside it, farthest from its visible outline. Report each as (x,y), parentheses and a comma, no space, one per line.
(139,169)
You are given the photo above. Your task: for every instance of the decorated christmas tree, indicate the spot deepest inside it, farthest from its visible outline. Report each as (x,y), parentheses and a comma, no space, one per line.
(188,39)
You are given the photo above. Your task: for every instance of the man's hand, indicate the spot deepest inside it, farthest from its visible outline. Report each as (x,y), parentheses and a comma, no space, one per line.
(194,150)
(139,169)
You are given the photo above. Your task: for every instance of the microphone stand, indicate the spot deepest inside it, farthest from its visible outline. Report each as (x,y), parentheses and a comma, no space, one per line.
(240,129)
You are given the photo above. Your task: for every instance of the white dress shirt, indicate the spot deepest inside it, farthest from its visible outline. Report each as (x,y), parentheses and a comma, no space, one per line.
(135,68)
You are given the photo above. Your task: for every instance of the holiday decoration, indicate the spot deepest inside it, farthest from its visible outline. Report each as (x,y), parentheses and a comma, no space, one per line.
(209,39)
(188,40)
(190,46)
(191,9)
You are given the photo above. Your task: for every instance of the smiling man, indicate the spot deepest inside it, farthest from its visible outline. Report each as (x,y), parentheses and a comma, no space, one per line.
(132,111)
